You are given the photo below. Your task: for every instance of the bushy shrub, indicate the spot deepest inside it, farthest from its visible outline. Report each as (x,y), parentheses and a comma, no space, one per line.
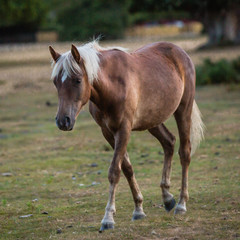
(236,64)
(222,71)
(83,19)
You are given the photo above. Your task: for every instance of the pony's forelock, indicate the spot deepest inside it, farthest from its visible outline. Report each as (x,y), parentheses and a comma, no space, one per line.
(89,53)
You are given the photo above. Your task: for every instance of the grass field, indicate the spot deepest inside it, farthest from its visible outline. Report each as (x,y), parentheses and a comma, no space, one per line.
(64,174)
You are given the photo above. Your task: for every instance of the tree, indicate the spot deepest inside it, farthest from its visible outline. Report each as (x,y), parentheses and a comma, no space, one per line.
(82,19)
(21,15)
(221,18)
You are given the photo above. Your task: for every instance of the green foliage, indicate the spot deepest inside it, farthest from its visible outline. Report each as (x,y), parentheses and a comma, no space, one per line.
(80,20)
(33,207)
(222,71)
(4,202)
(27,14)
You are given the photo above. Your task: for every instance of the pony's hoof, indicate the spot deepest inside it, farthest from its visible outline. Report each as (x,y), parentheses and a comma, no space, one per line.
(138,216)
(169,205)
(180,209)
(106,226)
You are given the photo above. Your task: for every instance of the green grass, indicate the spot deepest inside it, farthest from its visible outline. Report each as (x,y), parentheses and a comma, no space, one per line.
(48,165)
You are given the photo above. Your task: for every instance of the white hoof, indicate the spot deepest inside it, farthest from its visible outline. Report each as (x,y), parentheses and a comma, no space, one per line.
(106,226)
(138,215)
(180,209)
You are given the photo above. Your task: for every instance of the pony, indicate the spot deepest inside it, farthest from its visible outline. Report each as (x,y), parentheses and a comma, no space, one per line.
(132,91)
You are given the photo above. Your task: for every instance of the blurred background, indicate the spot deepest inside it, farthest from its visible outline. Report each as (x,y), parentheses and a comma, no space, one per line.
(53,184)
(52,20)
(213,27)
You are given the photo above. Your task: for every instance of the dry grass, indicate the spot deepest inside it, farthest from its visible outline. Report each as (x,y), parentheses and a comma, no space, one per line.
(31,62)
(48,165)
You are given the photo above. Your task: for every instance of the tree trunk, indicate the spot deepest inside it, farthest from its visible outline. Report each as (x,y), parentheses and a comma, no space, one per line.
(230,26)
(237,40)
(222,27)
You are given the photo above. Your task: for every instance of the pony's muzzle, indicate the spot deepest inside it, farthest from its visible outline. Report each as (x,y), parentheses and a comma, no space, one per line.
(64,123)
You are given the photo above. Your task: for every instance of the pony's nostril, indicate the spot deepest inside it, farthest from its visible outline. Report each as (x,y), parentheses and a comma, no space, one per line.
(67,119)
(63,123)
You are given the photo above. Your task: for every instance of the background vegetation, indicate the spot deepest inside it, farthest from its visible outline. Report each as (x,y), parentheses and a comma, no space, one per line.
(85,19)
(22,16)
(82,19)
(222,71)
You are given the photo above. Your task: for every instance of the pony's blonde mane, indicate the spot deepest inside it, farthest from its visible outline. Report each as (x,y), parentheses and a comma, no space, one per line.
(89,53)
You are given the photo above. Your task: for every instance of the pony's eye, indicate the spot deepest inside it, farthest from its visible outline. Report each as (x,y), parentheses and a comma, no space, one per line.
(77,80)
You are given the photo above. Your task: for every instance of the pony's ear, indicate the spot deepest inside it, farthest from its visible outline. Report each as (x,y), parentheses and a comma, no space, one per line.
(75,54)
(54,54)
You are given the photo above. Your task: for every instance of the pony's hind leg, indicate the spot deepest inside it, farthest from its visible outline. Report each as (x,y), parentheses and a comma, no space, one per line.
(137,195)
(167,141)
(183,119)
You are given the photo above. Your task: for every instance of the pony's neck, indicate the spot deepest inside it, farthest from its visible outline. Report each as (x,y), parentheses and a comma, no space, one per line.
(94,97)
(99,87)
(97,93)
(101,93)
(104,89)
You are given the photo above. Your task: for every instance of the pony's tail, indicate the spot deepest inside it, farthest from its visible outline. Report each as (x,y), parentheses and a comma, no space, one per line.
(197,128)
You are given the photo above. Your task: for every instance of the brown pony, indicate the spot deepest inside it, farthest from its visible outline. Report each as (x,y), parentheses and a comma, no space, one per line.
(132,91)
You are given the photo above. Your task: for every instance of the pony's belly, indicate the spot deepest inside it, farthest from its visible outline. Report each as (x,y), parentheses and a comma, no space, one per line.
(149,121)
(155,110)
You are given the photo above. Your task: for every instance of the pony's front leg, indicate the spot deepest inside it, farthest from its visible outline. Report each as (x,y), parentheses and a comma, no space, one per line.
(121,139)
(108,221)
